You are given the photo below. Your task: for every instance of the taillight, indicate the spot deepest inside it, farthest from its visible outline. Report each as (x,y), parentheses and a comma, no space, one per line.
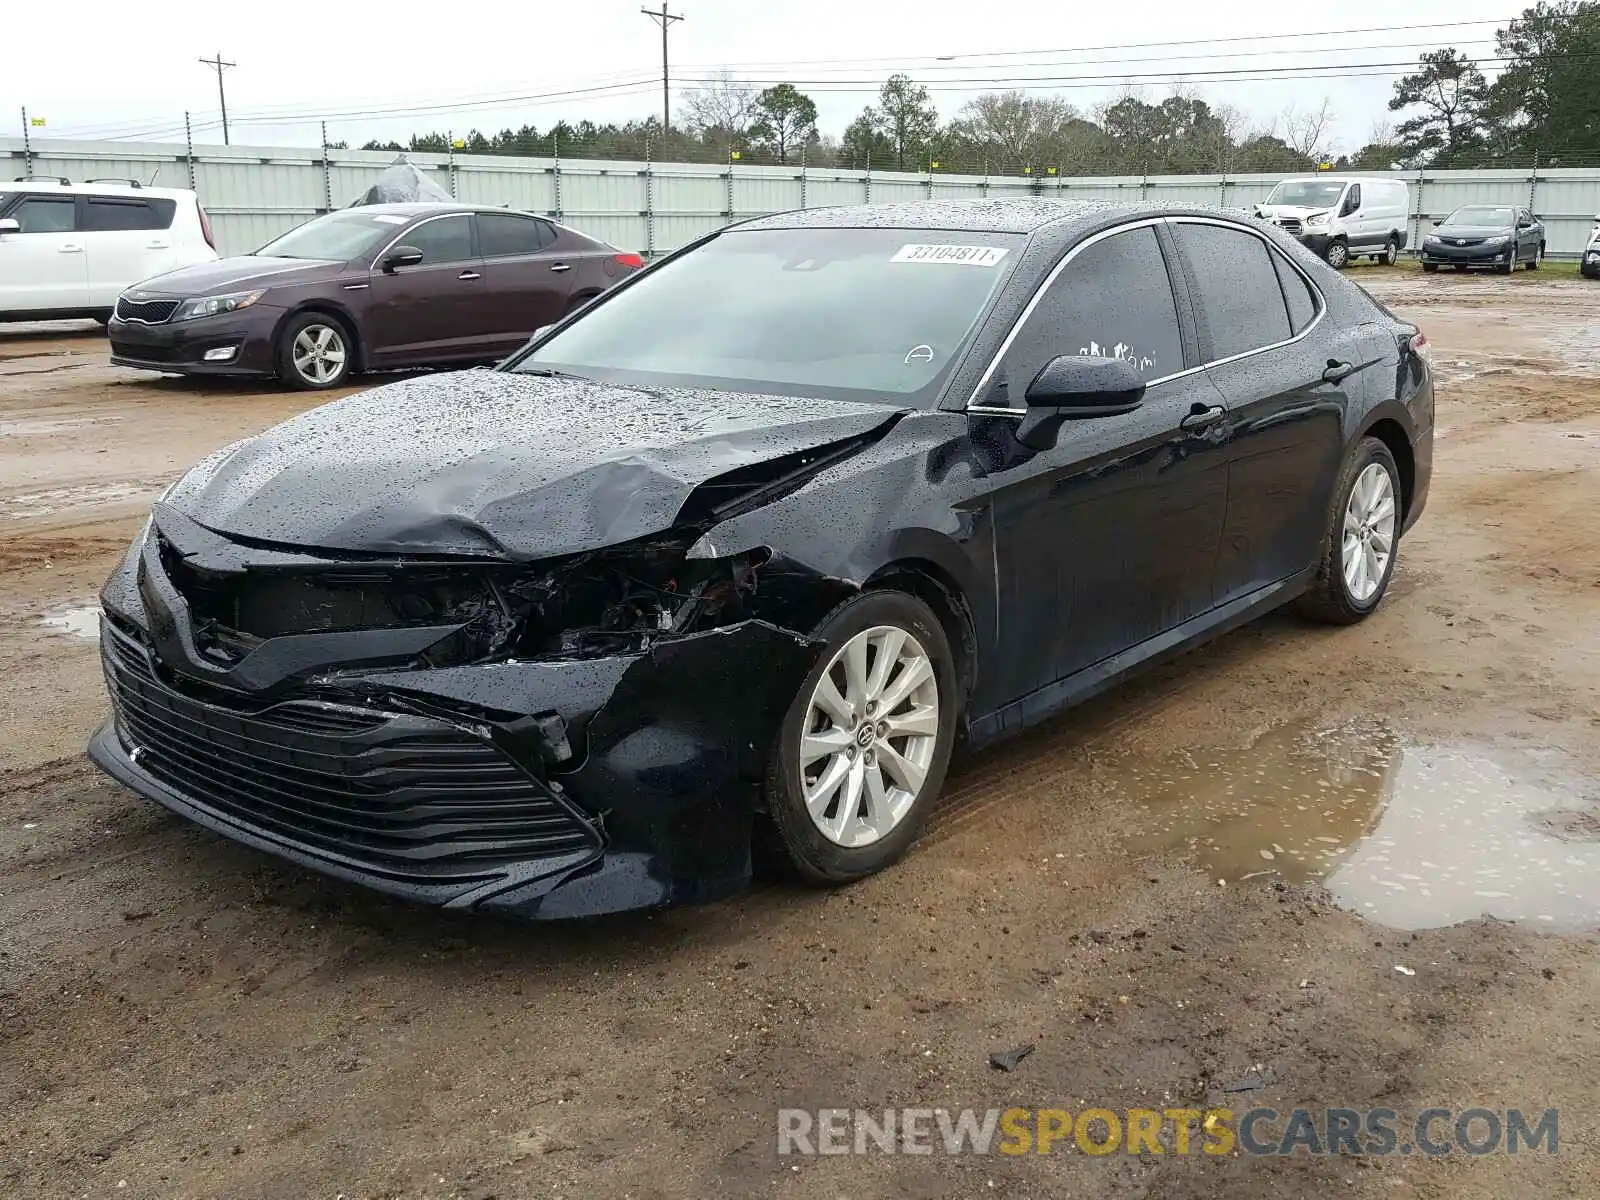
(635,261)
(205,227)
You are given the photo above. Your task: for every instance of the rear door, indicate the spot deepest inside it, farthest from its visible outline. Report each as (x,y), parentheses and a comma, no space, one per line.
(1266,343)
(127,240)
(435,311)
(43,267)
(525,278)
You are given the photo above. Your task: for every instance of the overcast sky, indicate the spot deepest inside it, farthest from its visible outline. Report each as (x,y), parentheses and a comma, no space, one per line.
(118,71)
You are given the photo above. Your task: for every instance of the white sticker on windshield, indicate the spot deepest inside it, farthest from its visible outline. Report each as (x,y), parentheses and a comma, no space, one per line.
(388,220)
(966,256)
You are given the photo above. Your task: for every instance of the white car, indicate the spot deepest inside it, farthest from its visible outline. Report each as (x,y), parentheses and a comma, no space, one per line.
(70,249)
(1590,266)
(1343,217)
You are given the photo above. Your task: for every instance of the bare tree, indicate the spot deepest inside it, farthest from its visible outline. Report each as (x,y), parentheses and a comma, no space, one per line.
(1016,126)
(1309,133)
(721,110)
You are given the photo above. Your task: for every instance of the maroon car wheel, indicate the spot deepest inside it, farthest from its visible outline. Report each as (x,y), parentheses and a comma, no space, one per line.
(315,351)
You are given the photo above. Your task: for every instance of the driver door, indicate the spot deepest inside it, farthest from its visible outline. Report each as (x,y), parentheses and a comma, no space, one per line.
(1110,537)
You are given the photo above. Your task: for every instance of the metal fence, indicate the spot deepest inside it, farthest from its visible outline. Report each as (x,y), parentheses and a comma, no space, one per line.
(255,193)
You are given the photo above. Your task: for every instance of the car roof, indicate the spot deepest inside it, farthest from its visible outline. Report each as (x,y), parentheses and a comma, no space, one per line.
(419,208)
(1046,220)
(103,187)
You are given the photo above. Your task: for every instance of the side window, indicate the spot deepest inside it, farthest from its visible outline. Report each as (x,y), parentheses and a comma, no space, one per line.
(1352,199)
(46,214)
(110,213)
(1303,302)
(443,239)
(1114,300)
(1238,296)
(501,235)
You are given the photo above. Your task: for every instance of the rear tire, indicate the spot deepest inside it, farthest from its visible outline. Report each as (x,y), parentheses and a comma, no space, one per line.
(1391,253)
(1537,259)
(315,351)
(1356,568)
(870,816)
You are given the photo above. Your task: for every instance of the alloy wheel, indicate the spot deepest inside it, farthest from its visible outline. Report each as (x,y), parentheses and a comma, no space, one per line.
(1369,525)
(871,728)
(1338,255)
(319,354)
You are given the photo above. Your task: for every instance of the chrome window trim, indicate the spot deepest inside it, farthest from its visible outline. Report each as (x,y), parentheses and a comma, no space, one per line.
(1038,296)
(395,241)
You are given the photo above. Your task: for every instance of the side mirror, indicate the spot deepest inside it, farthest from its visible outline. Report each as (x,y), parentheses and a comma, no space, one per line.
(401,256)
(10,225)
(1438,223)
(1077,387)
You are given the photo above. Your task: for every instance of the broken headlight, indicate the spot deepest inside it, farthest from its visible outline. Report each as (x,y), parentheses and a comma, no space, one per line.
(621,600)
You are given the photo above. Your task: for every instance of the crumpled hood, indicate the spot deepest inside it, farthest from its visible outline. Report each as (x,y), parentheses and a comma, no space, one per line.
(486,462)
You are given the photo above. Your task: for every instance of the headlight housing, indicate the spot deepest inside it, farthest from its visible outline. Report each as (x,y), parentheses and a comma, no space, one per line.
(212,306)
(1500,240)
(1317,219)
(1431,240)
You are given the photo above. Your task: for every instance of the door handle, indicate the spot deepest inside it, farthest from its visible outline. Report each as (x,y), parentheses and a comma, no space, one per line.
(1336,371)
(71,249)
(1202,417)
(157,245)
(469,275)
(558,267)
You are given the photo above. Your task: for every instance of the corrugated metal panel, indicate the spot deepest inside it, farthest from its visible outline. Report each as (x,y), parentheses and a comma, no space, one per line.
(254,193)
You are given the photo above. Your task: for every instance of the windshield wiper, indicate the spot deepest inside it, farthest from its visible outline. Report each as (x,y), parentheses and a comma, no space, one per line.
(551,373)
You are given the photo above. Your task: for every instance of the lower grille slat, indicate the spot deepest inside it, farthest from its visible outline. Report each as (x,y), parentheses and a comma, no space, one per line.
(399,792)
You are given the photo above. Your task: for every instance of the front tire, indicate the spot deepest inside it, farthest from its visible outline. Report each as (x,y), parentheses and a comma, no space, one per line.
(1337,254)
(1362,539)
(862,752)
(1431,268)
(315,351)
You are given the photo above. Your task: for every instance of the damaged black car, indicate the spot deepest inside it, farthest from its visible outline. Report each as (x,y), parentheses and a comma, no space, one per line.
(734,558)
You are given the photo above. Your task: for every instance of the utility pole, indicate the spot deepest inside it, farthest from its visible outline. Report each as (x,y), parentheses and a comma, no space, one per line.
(665,20)
(219,66)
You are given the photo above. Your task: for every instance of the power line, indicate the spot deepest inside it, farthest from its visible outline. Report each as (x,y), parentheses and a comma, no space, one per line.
(1258,37)
(222,93)
(666,20)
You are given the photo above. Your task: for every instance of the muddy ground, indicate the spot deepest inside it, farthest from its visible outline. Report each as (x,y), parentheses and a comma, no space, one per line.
(1137,889)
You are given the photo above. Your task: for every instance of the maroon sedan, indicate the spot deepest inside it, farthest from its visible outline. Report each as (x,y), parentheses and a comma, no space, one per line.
(375,288)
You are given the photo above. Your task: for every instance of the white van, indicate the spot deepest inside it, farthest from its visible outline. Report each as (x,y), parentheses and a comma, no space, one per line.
(1340,218)
(70,249)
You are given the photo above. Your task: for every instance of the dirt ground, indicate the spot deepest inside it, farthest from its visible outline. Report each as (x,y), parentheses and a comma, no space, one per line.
(1160,892)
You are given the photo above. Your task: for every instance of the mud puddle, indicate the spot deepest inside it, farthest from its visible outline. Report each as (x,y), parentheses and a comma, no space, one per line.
(1410,834)
(80,622)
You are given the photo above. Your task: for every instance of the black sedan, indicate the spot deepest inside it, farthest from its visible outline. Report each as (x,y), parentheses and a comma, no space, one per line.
(734,557)
(1485,235)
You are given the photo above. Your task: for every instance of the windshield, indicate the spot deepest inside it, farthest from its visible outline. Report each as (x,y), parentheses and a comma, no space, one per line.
(1495,217)
(1307,193)
(854,314)
(337,237)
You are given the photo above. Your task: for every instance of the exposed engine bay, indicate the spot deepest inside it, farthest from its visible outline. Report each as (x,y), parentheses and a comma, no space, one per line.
(611,601)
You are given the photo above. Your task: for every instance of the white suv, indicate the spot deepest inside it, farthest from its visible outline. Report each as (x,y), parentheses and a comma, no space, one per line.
(69,250)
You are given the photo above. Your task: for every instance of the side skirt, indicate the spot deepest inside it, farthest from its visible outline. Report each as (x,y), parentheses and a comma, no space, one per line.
(1107,673)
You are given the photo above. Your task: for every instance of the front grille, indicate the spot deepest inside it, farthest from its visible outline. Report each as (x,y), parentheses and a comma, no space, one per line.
(398,793)
(147,312)
(1290,225)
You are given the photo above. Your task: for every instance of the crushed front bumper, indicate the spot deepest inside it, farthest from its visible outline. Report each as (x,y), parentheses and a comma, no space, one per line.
(545,789)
